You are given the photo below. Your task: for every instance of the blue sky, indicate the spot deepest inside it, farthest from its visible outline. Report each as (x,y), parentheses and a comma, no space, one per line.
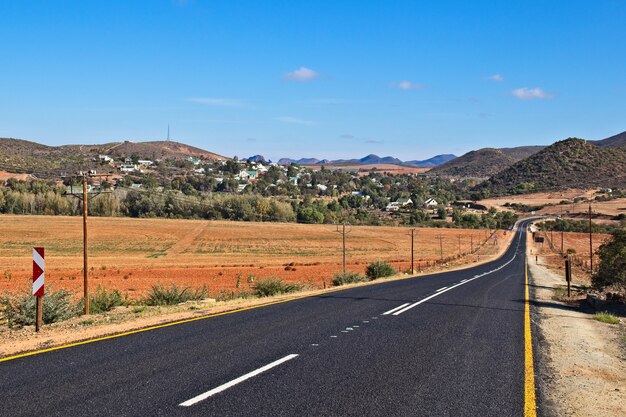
(327,79)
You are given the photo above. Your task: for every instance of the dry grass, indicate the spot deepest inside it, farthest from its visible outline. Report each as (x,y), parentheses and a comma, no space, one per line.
(133,254)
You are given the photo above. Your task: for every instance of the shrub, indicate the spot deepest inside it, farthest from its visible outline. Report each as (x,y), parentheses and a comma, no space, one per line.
(343,278)
(102,300)
(612,268)
(379,269)
(19,310)
(161,296)
(274,286)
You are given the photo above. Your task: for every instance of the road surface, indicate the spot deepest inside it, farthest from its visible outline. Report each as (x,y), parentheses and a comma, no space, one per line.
(451,344)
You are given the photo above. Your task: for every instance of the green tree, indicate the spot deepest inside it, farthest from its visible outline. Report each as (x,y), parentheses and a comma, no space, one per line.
(612,269)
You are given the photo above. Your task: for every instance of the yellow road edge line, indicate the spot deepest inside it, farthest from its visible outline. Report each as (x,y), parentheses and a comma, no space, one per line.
(223,313)
(530,400)
(159,326)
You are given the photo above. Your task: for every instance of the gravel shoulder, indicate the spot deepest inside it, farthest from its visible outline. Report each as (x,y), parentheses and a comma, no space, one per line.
(580,362)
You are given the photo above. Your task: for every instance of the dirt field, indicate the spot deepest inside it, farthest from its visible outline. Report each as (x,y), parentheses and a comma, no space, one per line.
(609,208)
(133,254)
(384,168)
(6,175)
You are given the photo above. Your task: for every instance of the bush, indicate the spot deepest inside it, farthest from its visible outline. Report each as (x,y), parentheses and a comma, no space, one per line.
(379,269)
(161,296)
(606,318)
(274,286)
(343,278)
(102,300)
(19,310)
(612,268)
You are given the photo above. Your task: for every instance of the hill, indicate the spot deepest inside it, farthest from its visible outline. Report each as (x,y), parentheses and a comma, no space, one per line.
(484,162)
(618,140)
(568,163)
(432,162)
(22,156)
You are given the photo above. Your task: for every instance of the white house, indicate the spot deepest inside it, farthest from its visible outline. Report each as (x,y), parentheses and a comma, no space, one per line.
(431,203)
(105,158)
(128,168)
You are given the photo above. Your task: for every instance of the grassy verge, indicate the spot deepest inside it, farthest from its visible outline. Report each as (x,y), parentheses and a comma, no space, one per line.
(606,318)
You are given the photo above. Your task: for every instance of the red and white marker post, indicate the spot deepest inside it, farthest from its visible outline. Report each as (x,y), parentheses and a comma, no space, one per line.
(38,283)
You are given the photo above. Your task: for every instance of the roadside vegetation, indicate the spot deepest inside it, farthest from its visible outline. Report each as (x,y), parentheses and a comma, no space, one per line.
(606,318)
(611,272)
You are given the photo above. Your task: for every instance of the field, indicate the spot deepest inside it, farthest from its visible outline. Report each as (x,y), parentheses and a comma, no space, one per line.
(134,254)
(366,168)
(606,208)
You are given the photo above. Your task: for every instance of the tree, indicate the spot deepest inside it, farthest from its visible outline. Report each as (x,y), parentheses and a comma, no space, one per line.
(612,269)
(441,213)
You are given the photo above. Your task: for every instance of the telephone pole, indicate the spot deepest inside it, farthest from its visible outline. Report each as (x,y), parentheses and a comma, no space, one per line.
(471,243)
(344,232)
(412,251)
(562,227)
(440,237)
(459,236)
(590,242)
(85,198)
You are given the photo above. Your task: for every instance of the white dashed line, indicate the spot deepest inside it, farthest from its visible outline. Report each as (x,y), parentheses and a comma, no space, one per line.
(395,308)
(441,289)
(236,381)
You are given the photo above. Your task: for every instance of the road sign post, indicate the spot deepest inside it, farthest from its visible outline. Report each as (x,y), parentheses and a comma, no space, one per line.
(38,284)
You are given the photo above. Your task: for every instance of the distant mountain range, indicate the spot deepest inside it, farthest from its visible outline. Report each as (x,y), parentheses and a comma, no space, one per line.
(366,160)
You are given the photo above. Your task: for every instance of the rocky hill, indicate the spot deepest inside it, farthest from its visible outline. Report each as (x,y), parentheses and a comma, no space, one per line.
(484,162)
(22,156)
(568,163)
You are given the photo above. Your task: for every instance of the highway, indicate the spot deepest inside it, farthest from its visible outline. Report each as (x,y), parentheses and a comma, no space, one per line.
(450,344)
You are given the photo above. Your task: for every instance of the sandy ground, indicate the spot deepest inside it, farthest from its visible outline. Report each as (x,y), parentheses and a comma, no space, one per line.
(123,319)
(581,362)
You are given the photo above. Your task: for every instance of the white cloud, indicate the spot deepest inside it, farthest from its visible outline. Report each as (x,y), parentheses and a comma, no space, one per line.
(221,102)
(302,74)
(496,77)
(294,120)
(407,85)
(372,141)
(347,136)
(536,93)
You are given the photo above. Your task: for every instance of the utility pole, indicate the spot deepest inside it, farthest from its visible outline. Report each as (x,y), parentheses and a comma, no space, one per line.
(590,242)
(440,237)
(562,227)
(471,243)
(459,236)
(85,198)
(344,232)
(412,251)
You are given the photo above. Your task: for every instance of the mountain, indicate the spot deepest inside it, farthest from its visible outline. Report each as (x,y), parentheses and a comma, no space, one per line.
(484,162)
(618,140)
(568,163)
(432,162)
(17,155)
(367,160)
(256,158)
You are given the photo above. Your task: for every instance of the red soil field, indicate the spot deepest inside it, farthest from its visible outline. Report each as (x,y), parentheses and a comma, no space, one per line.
(133,254)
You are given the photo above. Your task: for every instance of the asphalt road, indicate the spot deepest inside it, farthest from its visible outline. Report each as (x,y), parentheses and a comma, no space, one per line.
(455,351)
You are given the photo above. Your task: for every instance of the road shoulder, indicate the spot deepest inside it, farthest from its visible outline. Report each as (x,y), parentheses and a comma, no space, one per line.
(581,366)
